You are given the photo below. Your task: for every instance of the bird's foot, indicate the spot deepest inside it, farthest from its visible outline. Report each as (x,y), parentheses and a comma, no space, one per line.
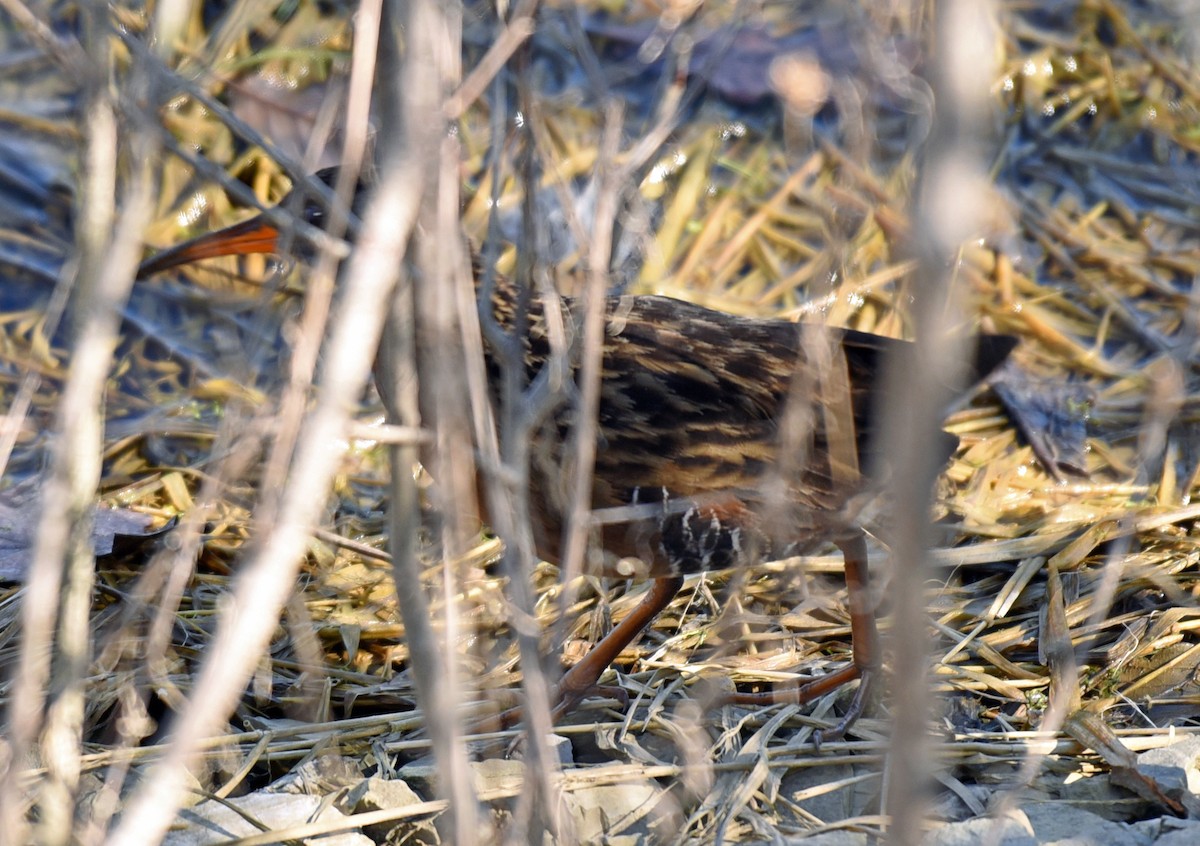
(567,700)
(799,694)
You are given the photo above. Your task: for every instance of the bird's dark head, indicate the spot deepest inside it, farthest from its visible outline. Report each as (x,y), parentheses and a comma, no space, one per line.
(264,233)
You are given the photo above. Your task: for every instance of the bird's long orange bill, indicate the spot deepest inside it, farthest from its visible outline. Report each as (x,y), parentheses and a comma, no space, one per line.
(255,235)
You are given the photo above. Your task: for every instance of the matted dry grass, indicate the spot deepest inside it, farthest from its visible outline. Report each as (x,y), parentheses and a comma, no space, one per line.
(1089,254)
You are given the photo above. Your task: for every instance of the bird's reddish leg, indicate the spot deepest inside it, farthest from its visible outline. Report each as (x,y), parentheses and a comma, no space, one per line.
(582,678)
(864,645)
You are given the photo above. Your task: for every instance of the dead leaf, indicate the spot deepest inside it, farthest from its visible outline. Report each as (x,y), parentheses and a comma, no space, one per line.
(20,513)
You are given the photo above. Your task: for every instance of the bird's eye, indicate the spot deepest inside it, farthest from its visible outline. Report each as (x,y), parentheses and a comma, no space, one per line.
(314,214)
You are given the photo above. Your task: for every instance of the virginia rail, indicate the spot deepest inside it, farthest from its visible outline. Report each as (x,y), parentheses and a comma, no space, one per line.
(690,428)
